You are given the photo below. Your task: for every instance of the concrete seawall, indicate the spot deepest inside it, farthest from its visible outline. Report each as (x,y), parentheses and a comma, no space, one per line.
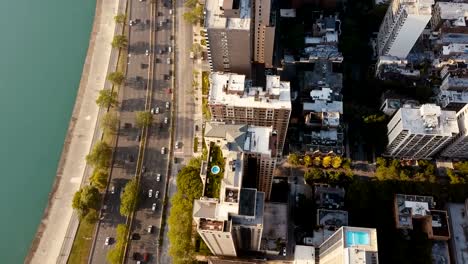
(58,225)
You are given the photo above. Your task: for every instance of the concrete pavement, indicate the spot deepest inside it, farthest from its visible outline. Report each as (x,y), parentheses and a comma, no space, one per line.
(59,224)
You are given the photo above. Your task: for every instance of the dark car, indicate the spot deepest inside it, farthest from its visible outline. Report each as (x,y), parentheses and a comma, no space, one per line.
(146,257)
(136,256)
(135,236)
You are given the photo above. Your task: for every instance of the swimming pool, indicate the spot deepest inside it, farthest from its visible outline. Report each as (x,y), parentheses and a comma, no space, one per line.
(357,238)
(215,169)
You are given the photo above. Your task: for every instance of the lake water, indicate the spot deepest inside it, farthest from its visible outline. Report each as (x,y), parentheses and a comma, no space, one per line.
(43,47)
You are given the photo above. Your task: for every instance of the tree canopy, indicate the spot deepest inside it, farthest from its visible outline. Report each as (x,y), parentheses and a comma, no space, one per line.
(115,254)
(85,199)
(107,98)
(99,179)
(143,119)
(116,78)
(120,18)
(119,41)
(110,122)
(100,155)
(129,198)
(293,159)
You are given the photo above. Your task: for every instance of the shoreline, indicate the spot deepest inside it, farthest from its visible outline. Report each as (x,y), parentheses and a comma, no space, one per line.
(71,169)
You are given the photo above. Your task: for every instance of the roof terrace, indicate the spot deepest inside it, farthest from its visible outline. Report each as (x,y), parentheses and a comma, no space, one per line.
(228,14)
(212,225)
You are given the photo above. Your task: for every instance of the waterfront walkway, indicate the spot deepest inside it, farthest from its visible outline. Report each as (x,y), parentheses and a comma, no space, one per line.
(54,230)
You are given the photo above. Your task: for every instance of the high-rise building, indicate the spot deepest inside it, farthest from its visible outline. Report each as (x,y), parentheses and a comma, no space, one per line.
(350,245)
(256,142)
(402,25)
(458,148)
(264,33)
(228,26)
(233,222)
(232,99)
(420,133)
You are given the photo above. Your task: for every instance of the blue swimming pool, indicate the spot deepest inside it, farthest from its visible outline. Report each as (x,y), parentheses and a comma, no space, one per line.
(215,169)
(357,238)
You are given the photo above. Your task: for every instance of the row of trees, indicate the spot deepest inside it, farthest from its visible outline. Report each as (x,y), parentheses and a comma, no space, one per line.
(195,15)
(392,169)
(115,254)
(189,188)
(324,162)
(459,174)
(335,177)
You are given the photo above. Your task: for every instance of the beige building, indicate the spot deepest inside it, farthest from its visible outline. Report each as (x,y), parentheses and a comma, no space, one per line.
(232,99)
(234,221)
(458,148)
(264,40)
(255,142)
(350,245)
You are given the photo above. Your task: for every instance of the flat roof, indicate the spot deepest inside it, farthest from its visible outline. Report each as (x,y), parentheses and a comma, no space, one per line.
(214,15)
(255,206)
(436,122)
(258,140)
(449,10)
(275,225)
(232,89)
(304,255)
(332,218)
(247,201)
(459,224)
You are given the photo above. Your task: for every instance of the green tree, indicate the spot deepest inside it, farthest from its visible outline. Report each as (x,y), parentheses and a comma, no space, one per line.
(293,159)
(191,3)
(110,122)
(190,17)
(115,255)
(107,98)
(196,48)
(85,199)
(317,161)
(99,179)
(119,41)
(326,162)
(336,162)
(307,160)
(129,198)
(116,78)
(122,231)
(100,155)
(120,18)
(313,175)
(91,217)
(143,119)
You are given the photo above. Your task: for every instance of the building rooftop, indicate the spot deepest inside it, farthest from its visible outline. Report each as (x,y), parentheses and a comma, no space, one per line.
(288,12)
(275,225)
(327,52)
(446,97)
(233,90)
(228,14)
(251,208)
(304,255)
(323,76)
(329,197)
(428,119)
(458,216)
(417,7)
(332,218)
(450,10)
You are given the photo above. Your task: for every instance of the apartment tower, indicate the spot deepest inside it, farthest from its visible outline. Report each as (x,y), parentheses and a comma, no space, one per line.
(228,33)
(349,245)
(232,99)
(420,133)
(264,33)
(458,148)
(402,25)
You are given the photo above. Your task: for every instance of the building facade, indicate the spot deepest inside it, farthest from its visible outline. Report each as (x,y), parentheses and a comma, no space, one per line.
(402,25)
(420,132)
(458,148)
(264,32)
(228,33)
(350,245)
(233,100)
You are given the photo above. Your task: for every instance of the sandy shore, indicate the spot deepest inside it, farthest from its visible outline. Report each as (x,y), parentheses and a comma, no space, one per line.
(56,231)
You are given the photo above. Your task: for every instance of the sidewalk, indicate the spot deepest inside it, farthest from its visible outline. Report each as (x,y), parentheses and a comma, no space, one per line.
(198,115)
(53,229)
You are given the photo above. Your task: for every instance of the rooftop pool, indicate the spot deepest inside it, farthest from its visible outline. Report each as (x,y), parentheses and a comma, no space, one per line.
(354,238)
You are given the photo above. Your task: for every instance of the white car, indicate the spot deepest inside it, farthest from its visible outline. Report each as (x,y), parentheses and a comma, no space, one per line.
(153,111)
(150,193)
(168,61)
(284,252)
(168,105)
(156,110)
(165,120)
(107,242)
(170,11)
(158,177)
(147,52)
(153,207)
(150,229)
(156,195)
(112,189)
(163,150)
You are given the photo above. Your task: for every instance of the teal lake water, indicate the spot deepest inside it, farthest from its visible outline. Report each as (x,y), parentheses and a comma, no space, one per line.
(43,47)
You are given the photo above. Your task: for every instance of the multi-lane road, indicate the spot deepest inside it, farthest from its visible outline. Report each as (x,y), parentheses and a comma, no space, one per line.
(148,73)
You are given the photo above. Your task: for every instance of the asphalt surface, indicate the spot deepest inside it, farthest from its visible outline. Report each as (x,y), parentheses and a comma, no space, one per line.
(185,108)
(132,97)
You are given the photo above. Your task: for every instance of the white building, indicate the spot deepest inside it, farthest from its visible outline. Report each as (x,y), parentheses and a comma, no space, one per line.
(390,66)
(420,133)
(350,245)
(402,25)
(304,255)
(456,13)
(458,148)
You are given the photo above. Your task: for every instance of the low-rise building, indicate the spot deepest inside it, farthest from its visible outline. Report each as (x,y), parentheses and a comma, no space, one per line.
(304,255)
(421,132)
(458,147)
(409,207)
(458,215)
(394,68)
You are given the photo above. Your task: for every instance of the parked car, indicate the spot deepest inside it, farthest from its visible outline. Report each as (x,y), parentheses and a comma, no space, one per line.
(156,195)
(165,120)
(153,207)
(168,105)
(157,110)
(163,150)
(112,190)
(153,111)
(158,177)
(150,229)
(146,257)
(107,242)
(150,193)
(170,11)
(284,251)
(147,52)
(168,60)
(143,169)
(169,49)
